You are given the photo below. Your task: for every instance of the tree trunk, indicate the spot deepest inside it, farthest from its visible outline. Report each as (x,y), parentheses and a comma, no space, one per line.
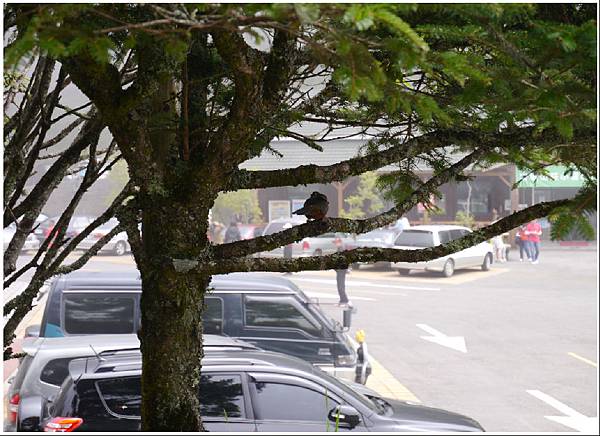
(172,302)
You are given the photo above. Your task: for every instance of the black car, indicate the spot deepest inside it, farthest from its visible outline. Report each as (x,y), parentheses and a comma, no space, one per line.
(240,391)
(268,311)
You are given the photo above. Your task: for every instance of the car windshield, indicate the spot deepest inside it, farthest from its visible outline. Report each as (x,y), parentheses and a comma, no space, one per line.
(415,238)
(377,235)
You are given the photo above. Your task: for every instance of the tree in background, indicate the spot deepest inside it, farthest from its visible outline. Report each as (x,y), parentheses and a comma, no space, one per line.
(367,200)
(212,85)
(242,205)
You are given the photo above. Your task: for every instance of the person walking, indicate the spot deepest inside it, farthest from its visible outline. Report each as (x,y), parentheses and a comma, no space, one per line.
(521,241)
(534,233)
(233,233)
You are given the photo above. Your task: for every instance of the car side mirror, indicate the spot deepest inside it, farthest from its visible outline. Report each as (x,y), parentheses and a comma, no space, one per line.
(33,331)
(347,416)
(347,318)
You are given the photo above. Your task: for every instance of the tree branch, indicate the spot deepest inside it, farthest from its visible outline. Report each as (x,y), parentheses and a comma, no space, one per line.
(370,255)
(314,228)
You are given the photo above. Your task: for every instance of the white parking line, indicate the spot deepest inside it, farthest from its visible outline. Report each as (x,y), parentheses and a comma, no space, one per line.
(334,296)
(369,284)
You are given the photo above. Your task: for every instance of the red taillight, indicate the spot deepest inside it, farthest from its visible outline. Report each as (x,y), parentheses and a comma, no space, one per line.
(13,408)
(305,245)
(62,425)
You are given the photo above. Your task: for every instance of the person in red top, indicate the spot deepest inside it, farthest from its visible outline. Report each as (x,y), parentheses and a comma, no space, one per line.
(521,240)
(534,232)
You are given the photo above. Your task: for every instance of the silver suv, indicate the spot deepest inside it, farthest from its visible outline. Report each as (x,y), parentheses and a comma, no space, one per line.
(46,365)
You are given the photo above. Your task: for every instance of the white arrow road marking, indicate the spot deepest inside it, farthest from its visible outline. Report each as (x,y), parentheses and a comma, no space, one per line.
(572,418)
(360,283)
(455,342)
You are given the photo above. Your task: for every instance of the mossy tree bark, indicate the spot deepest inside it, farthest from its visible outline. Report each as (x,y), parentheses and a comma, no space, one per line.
(172,302)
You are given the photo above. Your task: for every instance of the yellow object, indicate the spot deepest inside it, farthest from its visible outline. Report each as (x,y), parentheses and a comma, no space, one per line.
(360,336)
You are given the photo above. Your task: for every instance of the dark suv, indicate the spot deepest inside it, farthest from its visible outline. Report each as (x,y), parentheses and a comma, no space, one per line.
(240,391)
(265,310)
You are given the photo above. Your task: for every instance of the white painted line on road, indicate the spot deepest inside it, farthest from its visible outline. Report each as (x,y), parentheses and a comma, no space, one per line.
(359,283)
(455,342)
(572,418)
(583,359)
(335,296)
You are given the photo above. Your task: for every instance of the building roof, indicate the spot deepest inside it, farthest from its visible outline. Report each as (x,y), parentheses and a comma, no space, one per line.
(296,153)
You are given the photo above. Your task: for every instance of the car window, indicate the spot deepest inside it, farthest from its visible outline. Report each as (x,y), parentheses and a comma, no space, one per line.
(121,396)
(444,237)
(458,233)
(213,316)
(415,238)
(95,314)
(273,228)
(277,312)
(284,402)
(221,396)
(56,371)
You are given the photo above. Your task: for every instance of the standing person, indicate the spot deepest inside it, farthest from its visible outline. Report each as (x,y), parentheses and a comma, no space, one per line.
(498,244)
(521,241)
(340,278)
(287,249)
(233,233)
(534,232)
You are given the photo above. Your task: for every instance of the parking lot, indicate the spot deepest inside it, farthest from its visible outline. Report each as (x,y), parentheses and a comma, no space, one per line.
(514,348)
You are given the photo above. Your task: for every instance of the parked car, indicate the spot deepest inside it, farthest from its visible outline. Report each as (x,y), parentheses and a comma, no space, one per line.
(247,230)
(118,245)
(268,311)
(44,367)
(31,242)
(76,225)
(418,237)
(379,238)
(240,391)
(320,245)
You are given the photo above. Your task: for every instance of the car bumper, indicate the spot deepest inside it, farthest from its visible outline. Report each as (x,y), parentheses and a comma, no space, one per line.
(434,265)
(31,245)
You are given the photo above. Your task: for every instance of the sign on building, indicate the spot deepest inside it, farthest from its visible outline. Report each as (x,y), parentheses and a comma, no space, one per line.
(279,209)
(557,179)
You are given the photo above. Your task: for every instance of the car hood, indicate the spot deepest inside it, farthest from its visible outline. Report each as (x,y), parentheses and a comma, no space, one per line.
(414,417)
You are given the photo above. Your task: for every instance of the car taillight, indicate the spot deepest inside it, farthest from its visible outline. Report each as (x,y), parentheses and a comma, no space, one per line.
(305,245)
(13,408)
(345,360)
(62,425)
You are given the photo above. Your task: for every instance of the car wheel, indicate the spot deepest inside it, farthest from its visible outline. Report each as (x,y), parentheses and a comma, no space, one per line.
(404,272)
(487,262)
(448,268)
(120,248)
(318,252)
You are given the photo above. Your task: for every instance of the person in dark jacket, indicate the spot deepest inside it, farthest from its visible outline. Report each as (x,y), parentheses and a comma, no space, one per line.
(233,233)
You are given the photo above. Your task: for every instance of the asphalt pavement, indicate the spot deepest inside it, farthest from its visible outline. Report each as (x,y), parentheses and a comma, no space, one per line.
(514,347)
